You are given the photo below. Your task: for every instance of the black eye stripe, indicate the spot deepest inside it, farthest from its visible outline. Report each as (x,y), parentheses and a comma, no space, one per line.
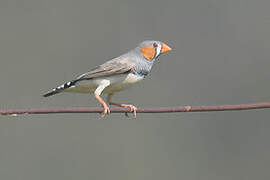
(155,45)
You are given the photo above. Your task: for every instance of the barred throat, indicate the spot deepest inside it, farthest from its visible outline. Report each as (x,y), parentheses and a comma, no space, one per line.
(142,68)
(60,88)
(141,72)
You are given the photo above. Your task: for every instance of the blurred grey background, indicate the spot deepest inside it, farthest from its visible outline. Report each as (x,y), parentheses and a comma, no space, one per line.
(220,56)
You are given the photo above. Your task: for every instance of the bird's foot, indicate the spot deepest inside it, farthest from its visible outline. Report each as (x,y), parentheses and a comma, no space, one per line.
(106,110)
(131,107)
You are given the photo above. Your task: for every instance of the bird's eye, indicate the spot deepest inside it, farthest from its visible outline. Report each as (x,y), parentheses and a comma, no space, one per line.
(155,45)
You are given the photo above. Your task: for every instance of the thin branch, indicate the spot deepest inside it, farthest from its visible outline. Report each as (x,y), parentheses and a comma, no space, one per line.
(237,107)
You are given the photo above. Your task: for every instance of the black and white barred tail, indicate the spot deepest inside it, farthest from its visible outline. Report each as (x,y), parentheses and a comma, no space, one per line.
(60,88)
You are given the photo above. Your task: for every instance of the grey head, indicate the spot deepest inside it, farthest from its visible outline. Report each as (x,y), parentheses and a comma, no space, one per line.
(145,54)
(150,50)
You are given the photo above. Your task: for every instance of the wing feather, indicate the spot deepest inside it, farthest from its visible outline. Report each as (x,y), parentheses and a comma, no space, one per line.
(116,66)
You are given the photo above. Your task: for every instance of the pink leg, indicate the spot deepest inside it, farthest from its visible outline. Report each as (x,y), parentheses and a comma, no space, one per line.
(131,107)
(104,105)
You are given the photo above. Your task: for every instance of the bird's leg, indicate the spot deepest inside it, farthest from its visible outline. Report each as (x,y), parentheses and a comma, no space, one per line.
(103,84)
(130,106)
(104,105)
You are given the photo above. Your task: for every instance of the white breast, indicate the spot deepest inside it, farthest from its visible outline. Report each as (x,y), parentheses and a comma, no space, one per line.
(122,82)
(117,83)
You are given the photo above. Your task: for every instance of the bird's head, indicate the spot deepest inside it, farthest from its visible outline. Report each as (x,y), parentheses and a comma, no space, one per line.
(151,50)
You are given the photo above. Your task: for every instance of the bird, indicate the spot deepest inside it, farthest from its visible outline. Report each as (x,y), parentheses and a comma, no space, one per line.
(116,74)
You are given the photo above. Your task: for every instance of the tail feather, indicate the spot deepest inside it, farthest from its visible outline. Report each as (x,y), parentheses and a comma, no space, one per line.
(59,88)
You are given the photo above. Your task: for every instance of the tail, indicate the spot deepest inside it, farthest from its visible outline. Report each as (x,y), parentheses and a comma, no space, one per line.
(60,88)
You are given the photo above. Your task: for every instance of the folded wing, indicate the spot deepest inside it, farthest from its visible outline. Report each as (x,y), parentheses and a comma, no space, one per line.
(117,66)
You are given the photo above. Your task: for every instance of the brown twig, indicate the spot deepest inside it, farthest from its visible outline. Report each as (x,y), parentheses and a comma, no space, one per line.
(139,110)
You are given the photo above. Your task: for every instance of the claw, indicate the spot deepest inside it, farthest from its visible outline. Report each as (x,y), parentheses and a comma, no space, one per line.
(104,105)
(132,109)
(187,108)
(106,111)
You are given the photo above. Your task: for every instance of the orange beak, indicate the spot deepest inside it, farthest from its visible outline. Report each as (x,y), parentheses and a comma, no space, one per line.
(165,48)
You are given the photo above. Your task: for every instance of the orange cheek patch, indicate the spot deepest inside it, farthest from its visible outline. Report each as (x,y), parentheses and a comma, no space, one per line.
(148,52)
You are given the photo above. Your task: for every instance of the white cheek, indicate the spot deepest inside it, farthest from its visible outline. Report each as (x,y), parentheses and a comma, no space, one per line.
(158,49)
